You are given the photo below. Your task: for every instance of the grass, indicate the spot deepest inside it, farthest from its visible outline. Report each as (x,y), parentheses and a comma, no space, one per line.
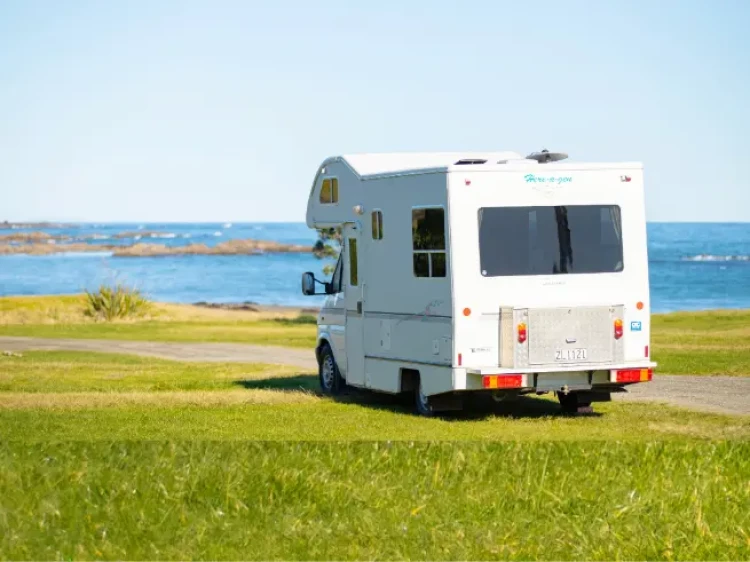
(204,500)
(702,343)
(85,396)
(64,317)
(118,457)
(698,343)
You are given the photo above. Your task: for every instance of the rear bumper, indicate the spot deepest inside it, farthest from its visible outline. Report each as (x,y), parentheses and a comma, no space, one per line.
(572,378)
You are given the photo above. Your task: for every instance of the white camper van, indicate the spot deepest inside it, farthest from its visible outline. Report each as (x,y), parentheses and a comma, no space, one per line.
(483,272)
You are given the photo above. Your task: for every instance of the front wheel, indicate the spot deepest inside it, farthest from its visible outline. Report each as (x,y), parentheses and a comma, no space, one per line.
(331,382)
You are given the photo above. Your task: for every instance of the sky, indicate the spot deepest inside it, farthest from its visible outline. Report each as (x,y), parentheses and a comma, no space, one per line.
(145,110)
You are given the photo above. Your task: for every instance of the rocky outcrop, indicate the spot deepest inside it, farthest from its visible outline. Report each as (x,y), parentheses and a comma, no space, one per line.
(228,248)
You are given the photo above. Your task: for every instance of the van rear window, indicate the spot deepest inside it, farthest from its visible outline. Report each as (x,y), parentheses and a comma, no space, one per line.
(550,240)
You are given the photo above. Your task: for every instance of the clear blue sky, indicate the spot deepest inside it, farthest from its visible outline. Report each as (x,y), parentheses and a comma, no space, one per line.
(166,111)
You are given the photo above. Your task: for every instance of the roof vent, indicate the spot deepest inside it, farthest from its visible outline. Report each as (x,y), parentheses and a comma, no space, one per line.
(546,156)
(466,161)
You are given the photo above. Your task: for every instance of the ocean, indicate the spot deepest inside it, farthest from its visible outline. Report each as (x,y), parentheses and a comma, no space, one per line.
(692,266)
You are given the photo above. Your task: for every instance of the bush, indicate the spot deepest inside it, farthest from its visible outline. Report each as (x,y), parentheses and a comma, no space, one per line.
(109,303)
(303,319)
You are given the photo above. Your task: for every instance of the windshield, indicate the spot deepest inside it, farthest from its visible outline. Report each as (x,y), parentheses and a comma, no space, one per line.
(550,240)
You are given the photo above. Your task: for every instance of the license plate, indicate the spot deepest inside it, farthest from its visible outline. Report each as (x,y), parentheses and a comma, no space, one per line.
(570,354)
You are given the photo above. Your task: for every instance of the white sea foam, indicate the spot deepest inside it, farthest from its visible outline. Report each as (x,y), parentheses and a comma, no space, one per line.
(712,257)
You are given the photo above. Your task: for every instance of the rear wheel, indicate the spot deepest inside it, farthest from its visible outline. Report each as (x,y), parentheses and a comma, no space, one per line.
(331,382)
(572,404)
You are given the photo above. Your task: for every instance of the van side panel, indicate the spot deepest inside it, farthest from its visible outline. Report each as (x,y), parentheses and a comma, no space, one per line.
(407,319)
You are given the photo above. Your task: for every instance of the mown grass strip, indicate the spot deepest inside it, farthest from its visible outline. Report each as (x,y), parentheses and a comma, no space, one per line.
(77,371)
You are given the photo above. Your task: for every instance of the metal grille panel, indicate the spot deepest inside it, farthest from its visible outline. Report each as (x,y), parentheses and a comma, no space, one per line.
(556,335)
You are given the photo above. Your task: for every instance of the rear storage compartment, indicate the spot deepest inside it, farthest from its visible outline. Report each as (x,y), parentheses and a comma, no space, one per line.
(572,338)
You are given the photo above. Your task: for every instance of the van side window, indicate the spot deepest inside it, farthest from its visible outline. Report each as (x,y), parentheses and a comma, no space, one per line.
(428,242)
(337,277)
(352,248)
(377,225)
(329,192)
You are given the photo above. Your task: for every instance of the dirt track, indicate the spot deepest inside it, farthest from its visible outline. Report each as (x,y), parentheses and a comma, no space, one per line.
(721,394)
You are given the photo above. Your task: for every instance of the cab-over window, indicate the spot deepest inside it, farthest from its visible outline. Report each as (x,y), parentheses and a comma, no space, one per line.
(329,192)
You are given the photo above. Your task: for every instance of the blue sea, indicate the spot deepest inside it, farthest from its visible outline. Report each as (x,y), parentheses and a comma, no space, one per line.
(692,266)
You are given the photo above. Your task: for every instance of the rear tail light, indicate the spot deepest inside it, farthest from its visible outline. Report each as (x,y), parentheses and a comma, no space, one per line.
(634,375)
(522,334)
(502,381)
(618,329)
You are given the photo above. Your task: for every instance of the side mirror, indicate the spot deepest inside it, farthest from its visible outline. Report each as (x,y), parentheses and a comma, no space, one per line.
(308,283)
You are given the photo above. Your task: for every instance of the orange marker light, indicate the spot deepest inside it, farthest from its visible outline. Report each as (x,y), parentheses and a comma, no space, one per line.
(635,375)
(639,306)
(467,312)
(502,381)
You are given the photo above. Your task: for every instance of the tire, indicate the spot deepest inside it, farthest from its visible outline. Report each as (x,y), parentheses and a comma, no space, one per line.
(570,404)
(329,376)
(422,402)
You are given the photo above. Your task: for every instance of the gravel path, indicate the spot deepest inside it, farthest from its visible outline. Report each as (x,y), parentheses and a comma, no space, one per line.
(728,395)
(208,352)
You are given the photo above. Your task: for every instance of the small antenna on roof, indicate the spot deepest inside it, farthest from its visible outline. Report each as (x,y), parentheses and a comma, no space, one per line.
(546,156)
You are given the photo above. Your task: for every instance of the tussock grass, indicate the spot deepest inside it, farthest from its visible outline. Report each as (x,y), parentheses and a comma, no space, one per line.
(115,302)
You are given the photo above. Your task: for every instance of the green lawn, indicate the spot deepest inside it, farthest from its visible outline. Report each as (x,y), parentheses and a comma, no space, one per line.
(119,457)
(473,501)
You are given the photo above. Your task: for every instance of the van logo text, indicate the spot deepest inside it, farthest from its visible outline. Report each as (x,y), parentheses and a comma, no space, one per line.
(531,178)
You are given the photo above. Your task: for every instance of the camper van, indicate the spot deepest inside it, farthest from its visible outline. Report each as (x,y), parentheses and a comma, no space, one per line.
(496,273)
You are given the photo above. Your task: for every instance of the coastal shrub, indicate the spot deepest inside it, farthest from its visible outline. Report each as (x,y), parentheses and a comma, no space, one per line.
(302,319)
(113,302)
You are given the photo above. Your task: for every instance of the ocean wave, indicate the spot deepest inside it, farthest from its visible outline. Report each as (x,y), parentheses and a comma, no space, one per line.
(79,255)
(713,257)
(162,235)
(217,233)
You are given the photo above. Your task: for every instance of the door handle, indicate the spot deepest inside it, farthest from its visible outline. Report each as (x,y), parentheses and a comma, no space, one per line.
(359,307)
